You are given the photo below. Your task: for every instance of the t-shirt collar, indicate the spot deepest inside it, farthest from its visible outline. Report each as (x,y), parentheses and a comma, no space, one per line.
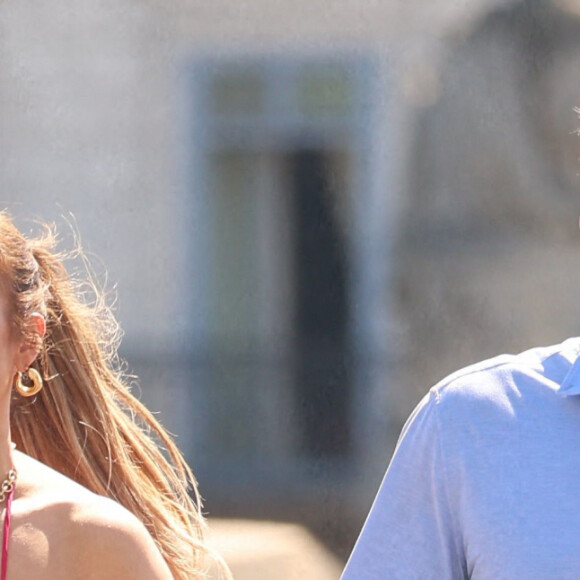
(571,383)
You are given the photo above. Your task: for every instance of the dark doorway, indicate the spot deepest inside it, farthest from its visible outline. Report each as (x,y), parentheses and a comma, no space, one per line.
(322,367)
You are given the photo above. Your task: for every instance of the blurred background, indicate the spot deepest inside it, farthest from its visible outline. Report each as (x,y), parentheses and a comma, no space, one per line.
(311,212)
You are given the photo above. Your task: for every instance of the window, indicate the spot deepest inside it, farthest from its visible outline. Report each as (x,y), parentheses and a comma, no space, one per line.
(279,152)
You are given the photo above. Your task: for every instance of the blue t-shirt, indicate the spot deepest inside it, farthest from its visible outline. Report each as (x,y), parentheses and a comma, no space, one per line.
(485,481)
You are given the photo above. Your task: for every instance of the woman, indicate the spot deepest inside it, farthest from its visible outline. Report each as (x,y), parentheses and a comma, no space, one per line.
(86,491)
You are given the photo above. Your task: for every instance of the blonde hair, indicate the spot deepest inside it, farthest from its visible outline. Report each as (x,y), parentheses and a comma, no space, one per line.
(85,423)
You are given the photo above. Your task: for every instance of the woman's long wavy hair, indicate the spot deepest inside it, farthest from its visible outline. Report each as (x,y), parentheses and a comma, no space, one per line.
(85,423)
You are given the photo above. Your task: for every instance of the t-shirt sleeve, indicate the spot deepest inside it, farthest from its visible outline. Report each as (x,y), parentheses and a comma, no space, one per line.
(411,531)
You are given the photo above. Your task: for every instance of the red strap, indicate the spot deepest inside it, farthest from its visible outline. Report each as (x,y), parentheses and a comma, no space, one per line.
(6,535)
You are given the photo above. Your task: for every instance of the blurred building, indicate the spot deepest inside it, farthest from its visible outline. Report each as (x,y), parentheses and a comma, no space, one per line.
(312,213)
(488,253)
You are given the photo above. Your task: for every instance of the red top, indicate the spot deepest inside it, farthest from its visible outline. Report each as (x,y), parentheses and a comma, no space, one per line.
(6,535)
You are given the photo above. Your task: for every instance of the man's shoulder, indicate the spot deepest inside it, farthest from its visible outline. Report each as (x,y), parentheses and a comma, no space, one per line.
(508,381)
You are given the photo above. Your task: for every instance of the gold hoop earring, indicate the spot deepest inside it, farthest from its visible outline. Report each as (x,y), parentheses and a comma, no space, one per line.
(28,390)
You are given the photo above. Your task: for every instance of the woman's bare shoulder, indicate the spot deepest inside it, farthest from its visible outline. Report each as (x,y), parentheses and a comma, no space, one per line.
(104,539)
(114,543)
(42,490)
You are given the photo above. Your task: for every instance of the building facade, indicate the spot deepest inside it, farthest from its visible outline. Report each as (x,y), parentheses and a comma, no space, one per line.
(278,196)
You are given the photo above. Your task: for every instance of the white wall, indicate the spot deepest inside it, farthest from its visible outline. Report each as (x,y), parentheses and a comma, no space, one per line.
(84,128)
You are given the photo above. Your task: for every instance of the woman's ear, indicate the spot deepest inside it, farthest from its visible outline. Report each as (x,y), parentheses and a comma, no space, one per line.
(39,324)
(30,346)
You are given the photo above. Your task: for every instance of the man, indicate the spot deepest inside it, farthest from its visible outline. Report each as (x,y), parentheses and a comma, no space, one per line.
(485,481)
